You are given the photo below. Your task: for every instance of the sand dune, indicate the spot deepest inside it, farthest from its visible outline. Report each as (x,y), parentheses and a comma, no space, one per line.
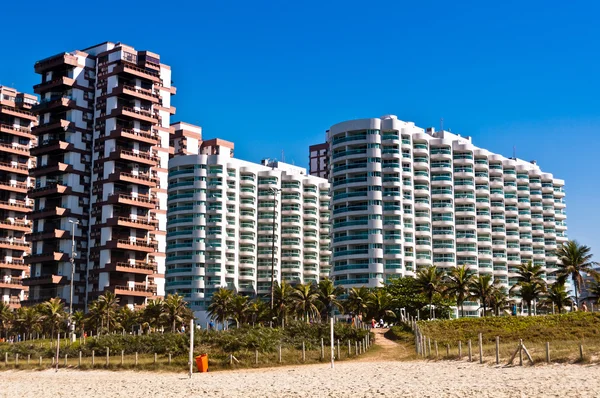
(349,379)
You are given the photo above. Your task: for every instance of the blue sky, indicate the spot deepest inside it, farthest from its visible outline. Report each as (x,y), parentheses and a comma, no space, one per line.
(273,76)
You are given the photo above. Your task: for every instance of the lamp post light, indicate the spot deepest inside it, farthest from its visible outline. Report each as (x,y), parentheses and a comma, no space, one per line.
(274,192)
(72,259)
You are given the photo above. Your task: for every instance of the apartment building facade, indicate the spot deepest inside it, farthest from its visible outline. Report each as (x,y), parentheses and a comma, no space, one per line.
(225,217)
(16,139)
(404,197)
(318,160)
(102,155)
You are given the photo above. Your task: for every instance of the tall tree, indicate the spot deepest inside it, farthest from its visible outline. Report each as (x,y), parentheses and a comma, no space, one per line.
(381,304)
(108,303)
(430,281)
(220,307)
(6,317)
(27,321)
(305,299)
(529,283)
(358,301)
(574,261)
(482,288)
(458,285)
(240,309)
(53,314)
(151,315)
(175,311)
(282,301)
(558,296)
(498,298)
(328,296)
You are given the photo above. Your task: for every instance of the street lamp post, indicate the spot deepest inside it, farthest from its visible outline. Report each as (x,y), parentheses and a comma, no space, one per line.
(274,192)
(73,255)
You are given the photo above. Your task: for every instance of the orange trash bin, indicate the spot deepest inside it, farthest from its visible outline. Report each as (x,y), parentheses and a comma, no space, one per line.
(202,363)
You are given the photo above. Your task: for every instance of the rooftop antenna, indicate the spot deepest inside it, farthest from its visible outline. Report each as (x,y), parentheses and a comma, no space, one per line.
(282,156)
(442,124)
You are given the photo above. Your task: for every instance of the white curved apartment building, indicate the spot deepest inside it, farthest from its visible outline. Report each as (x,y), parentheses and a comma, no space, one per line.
(220,226)
(404,197)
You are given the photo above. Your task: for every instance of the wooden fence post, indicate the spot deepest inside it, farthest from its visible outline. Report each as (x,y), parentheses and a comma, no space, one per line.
(279,353)
(497,350)
(338,350)
(16,359)
(256,357)
(547,352)
(521,352)
(480,348)
(349,352)
(66,360)
(169,358)
(581,352)
(355,347)
(470,352)
(122,357)
(322,350)
(79,363)
(436,349)
(107,356)
(447,349)
(459,349)
(40,361)
(136,359)
(93,358)
(155,358)
(303,352)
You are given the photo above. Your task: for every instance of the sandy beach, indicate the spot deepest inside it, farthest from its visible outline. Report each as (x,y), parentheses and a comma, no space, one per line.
(349,379)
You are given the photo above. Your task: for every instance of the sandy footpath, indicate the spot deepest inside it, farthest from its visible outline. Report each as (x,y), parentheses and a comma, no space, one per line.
(349,379)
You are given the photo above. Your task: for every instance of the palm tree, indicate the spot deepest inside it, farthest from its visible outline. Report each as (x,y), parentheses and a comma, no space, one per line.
(481,287)
(557,294)
(429,281)
(259,311)
(358,301)
(498,298)
(282,303)
(27,321)
(53,314)
(381,304)
(594,289)
(108,303)
(328,296)
(175,311)
(79,319)
(6,316)
(152,314)
(458,285)
(304,299)
(574,260)
(240,308)
(220,305)
(529,282)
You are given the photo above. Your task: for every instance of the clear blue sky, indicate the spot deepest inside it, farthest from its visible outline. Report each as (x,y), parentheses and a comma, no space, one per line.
(274,75)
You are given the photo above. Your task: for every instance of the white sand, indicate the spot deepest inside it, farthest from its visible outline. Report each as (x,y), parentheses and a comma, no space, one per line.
(350,379)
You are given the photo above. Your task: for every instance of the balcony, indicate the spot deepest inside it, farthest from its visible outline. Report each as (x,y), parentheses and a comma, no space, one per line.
(151,137)
(8,282)
(16,112)
(18,131)
(137,92)
(140,200)
(45,280)
(137,157)
(55,62)
(141,179)
(17,205)
(51,168)
(14,168)
(133,70)
(14,264)
(149,225)
(15,225)
(46,257)
(137,289)
(19,187)
(14,148)
(53,84)
(13,302)
(139,267)
(126,244)
(49,190)
(61,103)
(45,235)
(59,125)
